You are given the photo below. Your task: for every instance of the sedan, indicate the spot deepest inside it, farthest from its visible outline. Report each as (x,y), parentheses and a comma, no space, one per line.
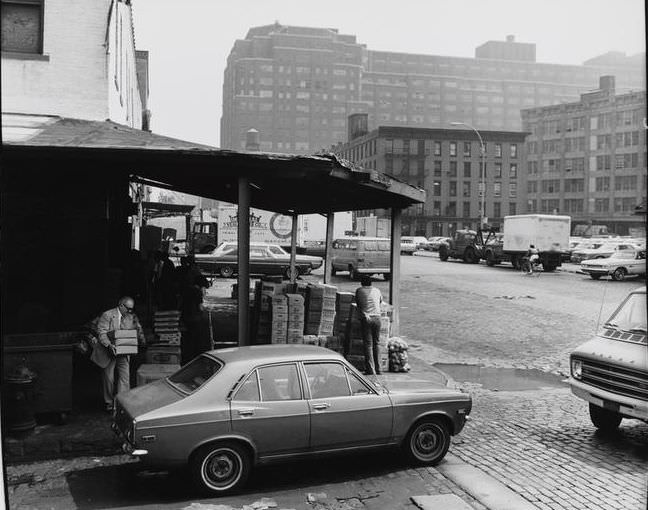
(618,265)
(231,409)
(601,251)
(264,259)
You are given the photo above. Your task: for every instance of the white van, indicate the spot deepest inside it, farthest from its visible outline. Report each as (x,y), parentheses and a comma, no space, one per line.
(361,255)
(610,371)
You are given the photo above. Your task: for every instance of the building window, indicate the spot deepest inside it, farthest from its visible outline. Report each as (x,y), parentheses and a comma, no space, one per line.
(437,168)
(22,26)
(453,169)
(453,148)
(551,186)
(625,183)
(512,189)
(601,205)
(467,149)
(603,162)
(451,210)
(532,167)
(497,209)
(514,150)
(513,171)
(549,206)
(532,205)
(453,189)
(466,210)
(498,171)
(467,165)
(532,186)
(498,150)
(602,184)
(437,148)
(436,188)
(466,189)
(497,189)
(626,204)
(574,185)
(512,208)
(574,205)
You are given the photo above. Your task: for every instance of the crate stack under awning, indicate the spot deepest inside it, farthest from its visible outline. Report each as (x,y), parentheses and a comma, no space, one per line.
(162,356)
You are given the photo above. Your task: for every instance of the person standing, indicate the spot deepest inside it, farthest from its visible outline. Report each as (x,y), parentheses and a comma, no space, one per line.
(368,300)
(105,354)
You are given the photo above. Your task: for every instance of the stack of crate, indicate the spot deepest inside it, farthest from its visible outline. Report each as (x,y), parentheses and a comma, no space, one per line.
(166,325)
(343,302)
(328,341)
(162,357)
(279,314)
(320,313)
(295,330)
(267,290)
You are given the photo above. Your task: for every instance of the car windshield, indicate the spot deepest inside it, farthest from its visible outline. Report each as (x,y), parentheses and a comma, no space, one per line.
(277,250)
(631,315)
(195,373)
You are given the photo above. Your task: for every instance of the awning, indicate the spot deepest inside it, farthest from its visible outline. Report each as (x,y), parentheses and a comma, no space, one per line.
(279,182)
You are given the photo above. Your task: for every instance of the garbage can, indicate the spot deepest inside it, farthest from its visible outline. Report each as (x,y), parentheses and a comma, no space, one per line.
(18,399)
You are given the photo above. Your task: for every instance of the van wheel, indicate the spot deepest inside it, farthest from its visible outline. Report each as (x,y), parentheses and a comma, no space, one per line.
(603,419)
(619,274)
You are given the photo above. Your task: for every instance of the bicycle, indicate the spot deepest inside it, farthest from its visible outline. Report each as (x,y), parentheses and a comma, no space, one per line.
(528,267)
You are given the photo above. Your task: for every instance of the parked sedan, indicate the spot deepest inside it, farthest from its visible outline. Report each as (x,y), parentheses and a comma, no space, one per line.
(231,409)
(264,259)
(407,246)
(618,265)
(601,251)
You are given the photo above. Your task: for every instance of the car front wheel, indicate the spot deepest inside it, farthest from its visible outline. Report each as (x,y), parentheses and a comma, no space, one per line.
(619,274)
(603,419)
(427,442)
(220,468)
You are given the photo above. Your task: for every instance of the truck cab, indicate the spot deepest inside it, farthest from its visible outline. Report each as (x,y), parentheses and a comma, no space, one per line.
(464,244)
(610,371)
(203,236)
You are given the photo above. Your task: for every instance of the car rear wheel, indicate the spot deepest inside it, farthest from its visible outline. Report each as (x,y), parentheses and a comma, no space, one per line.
(490,259)
(220,468)
(619,274)
(594,276)
(603,419)
(226,271)
(427,442)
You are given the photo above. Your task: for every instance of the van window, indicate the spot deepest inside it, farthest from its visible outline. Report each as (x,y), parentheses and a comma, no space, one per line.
(371,245)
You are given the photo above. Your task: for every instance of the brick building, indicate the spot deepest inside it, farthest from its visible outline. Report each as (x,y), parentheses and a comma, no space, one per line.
(588,158)
(298,85)
(88,72)
(447,163)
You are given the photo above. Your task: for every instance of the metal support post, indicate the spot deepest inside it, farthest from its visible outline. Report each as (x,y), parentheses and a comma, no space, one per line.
(293,249)
(243,262)
(394,280)
(328,252)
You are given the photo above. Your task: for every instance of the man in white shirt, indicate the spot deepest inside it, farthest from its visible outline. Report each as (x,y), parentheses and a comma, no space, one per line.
(368,300)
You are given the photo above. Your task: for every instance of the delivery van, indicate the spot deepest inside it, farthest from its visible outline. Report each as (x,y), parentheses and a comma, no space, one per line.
(610,371)
(361,255)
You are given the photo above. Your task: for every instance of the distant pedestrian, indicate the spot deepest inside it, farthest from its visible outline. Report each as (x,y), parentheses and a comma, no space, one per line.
(368,300)
(104,353)
(164,282)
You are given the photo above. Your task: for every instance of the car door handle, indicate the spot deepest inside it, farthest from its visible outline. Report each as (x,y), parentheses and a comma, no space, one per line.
(246,412)
(321,406)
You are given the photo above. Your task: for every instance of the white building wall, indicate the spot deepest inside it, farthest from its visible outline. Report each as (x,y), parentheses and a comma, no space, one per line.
(71,78)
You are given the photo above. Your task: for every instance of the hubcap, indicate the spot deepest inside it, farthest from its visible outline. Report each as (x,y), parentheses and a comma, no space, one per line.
(221,469)
(426,441)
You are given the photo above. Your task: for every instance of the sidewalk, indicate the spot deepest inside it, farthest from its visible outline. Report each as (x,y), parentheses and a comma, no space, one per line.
(87,433)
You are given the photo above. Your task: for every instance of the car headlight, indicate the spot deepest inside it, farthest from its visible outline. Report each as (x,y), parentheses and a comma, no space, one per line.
(576,368)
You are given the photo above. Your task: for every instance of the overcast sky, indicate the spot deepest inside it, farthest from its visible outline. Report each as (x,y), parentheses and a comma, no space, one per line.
(189,41)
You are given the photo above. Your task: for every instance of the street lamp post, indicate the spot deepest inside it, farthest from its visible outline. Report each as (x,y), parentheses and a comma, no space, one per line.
(482,170)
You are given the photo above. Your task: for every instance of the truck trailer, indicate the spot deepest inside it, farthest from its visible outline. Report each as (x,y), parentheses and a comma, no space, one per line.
(547,232)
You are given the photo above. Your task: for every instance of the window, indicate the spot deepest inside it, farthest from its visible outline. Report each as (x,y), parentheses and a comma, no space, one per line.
(601,205)
(22,26)
(573,205)
(512,208)
(514,150)
(513,171)
(497,209)
(602,184)
(626,204)
(437,168)
(437,148)
(453,148)
(574,185)
(249,390)
(466,209)
(498,171)
(327,380)
(532,186)
(279,382)
(498,150)
(551,186)
(453,189)
(603,162)
(453,169)
(497,189)
(512,189)
(625,183)
(466,189)
(357,386)
(451,210)
(467,149)
(467,166)
(532,167)
(549,206)
(195,373)
(436,188)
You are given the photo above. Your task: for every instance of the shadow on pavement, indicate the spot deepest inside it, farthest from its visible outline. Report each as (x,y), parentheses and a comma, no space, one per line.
(132,485)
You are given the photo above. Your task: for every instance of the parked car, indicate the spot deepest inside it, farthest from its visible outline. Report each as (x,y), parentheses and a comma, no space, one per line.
(314,248)
(267,259)
(610,370)
(419,241)
(362,255)
(436,242)
(601,250)
(407,246)
(619,265)
(231,409)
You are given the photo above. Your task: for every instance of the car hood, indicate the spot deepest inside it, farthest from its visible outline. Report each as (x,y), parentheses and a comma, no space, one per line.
(149,397)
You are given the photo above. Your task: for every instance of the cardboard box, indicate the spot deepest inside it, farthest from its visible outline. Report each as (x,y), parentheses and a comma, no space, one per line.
(125,349)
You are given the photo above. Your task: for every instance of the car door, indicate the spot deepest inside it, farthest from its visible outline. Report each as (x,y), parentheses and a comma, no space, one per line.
(345,410)
(269,409)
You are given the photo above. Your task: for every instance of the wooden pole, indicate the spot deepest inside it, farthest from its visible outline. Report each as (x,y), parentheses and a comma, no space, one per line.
(394,281)
(243,262)
(328,252)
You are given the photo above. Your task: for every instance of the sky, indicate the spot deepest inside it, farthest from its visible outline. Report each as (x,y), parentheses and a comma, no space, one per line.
(189,41)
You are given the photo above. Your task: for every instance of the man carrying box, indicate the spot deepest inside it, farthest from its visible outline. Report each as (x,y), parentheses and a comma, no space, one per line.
(119,332)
